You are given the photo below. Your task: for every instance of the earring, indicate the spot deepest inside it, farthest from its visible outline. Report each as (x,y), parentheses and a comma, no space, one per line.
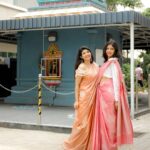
(91,60)
(81,59)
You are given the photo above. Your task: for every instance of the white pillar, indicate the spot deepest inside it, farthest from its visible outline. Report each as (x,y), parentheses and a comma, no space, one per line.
(149,91)
(132,68)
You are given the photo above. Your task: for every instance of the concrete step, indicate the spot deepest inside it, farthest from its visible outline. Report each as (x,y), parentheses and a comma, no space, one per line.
(53,128)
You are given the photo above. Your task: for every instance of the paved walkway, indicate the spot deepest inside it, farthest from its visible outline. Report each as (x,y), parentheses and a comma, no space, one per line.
(141,127)
(18,139)
(28,114)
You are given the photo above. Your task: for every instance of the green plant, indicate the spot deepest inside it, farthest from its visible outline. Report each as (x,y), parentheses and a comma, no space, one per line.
(126,72)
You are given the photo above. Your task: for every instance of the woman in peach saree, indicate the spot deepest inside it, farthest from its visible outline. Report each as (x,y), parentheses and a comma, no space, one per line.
(112,128)
(85,93)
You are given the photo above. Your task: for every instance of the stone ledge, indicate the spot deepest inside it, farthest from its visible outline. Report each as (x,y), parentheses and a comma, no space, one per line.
(52,128)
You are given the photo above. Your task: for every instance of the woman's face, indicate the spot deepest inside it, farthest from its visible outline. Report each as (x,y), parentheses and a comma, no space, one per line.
(86,55)
(110,51)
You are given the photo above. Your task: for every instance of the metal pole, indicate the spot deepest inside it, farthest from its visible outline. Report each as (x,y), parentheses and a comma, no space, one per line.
(39,98)
(132,68)
(136,98)
(149,91)
(43,42)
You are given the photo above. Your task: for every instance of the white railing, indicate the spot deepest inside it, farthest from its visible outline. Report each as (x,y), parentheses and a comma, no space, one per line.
(149,91)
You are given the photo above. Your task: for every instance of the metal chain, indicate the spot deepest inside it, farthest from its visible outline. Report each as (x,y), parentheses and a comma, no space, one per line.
(25,91)
(13,91)
(60,93)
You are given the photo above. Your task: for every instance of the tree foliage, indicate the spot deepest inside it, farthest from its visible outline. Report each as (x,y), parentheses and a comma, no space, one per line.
(126,72)
(131,3)
(146,12)
(112,4)
(146,65)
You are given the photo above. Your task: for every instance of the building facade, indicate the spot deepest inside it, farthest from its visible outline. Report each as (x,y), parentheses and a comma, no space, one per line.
(36,31)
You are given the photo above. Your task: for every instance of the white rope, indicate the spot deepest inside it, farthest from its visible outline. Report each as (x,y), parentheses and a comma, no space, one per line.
(13,91)
(25,91)
(60,93)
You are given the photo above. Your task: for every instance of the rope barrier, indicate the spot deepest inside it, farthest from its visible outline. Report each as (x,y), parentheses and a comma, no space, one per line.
(30,89)
(59,93)
(19,92)
(39,85)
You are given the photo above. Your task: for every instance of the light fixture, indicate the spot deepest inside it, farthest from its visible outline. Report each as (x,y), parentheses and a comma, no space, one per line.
(52,36)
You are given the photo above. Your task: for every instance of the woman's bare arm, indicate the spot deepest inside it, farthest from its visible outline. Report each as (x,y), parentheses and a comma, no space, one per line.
(77,88)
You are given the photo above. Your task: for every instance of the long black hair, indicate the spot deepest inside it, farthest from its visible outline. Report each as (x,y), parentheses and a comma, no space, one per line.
(115,46)
(79,59)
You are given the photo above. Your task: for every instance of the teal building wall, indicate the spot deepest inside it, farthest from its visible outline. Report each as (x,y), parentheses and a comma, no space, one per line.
(32,44)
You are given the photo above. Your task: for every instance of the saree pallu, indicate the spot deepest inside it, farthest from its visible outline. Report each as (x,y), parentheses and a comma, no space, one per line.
(105,118)
(112,128)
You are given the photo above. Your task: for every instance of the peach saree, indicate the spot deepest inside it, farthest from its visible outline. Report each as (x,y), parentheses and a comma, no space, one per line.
(112,128)
(81,131)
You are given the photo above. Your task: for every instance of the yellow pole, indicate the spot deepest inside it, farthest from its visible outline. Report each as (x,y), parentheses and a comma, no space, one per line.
(40,98)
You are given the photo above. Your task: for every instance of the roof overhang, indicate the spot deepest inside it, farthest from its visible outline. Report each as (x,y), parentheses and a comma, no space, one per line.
(118,20)
(141,37)
(59,12)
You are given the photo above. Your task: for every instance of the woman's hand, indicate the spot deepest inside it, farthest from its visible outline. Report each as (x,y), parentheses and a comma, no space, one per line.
(116,105)
(76,105)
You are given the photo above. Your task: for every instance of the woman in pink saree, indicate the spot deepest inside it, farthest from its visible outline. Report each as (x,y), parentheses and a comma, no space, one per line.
(112,128)
(85,95)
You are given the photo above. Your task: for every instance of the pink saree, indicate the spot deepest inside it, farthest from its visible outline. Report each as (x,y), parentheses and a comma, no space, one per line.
(81,131)
(112,128)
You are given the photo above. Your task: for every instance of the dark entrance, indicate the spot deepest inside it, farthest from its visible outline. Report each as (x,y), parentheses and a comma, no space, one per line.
(7,77)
